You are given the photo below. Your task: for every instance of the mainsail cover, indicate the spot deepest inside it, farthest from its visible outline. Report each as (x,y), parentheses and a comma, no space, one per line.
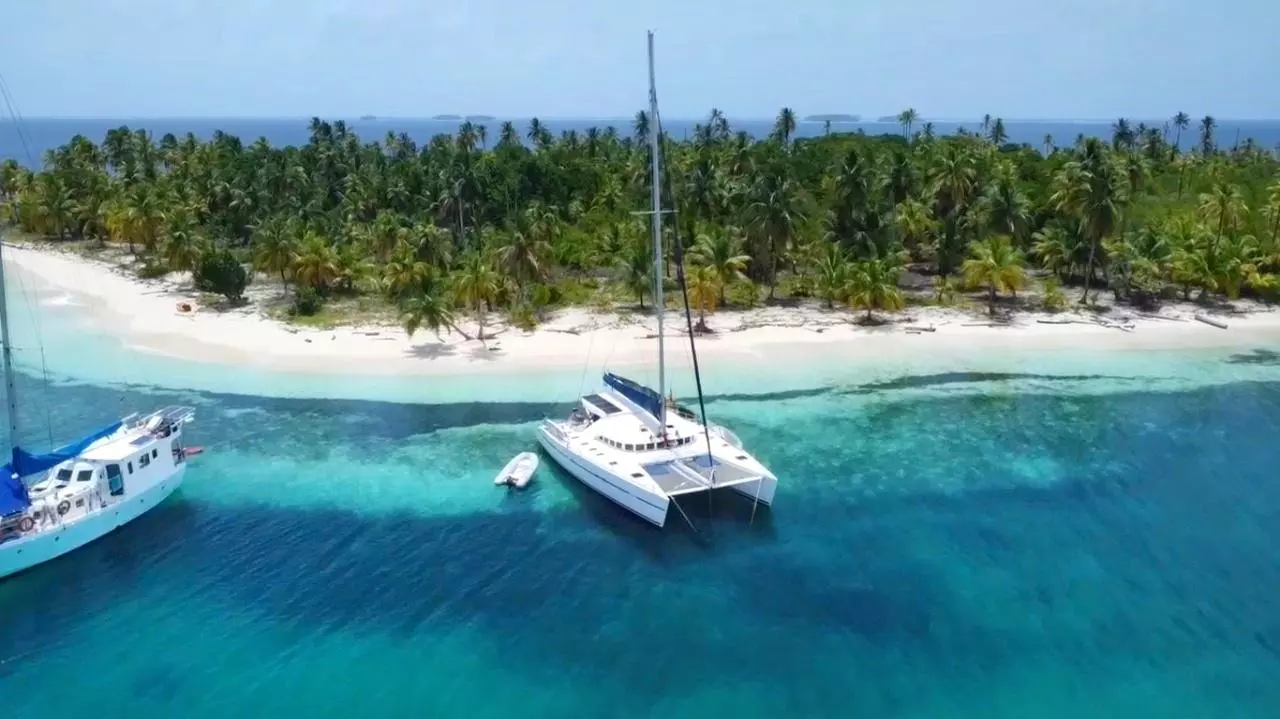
(13,493)
(647,399)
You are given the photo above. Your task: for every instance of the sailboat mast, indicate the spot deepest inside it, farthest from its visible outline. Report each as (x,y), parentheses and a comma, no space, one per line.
(11,397)
(655,129)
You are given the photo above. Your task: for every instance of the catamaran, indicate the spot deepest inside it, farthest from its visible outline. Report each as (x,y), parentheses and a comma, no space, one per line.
(632,445)
(53,503)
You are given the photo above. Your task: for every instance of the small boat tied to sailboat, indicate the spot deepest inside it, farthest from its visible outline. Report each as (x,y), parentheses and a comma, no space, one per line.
(632,445)
(56,502)
(518,471)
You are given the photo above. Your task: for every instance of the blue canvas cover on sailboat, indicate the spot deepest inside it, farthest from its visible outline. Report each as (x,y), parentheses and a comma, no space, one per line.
(13,493)
(646,398)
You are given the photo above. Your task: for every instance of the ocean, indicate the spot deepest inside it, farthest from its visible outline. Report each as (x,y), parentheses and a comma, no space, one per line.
(27,141)
(1036,534)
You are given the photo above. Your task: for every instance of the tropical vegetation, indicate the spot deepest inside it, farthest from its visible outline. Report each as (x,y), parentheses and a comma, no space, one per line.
(514,221)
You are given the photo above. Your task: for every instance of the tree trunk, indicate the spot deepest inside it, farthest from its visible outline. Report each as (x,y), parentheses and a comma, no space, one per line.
(1088,273)
(991,299)
(480,321)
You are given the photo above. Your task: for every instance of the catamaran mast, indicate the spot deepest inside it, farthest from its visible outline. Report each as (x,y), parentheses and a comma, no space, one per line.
(11,397)
(655,129)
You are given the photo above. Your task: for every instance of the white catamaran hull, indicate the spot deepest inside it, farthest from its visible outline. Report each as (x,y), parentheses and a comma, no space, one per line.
(20,554)
(648,506)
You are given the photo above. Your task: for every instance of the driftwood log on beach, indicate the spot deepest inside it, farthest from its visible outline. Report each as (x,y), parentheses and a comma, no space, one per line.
(1211,321)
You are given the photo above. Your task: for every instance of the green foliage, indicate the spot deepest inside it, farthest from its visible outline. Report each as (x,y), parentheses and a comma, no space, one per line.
(306,301)
(490,224)
(220,272)
(1054,300)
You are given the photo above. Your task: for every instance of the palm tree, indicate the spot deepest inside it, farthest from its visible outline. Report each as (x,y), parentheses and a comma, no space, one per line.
(722,252)
(1181,121)
(832,273)
(641,127)
(429,309)
(998,134)
(907,118)
(273,249)
(315,262)
(1207,126)
(404,272)
(523,257)
(996,264)
(873,284)
(476,285)
(785,126)
(705,288)
(1223,207)
(183,243)
(636,262)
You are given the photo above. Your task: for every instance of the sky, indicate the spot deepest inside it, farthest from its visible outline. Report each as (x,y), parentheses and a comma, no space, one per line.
(1046,59)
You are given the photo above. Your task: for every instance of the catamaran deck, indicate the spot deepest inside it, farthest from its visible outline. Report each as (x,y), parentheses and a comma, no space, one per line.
(677,477)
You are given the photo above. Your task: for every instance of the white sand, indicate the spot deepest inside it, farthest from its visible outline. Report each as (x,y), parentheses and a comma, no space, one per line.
(144,314)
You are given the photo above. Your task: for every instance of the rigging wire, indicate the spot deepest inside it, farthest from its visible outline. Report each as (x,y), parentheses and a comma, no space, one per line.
(678,252)
(15,113)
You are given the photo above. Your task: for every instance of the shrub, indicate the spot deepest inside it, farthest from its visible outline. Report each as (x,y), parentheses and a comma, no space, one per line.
(523,316)
(1054,300)
(220,272)
(306,301)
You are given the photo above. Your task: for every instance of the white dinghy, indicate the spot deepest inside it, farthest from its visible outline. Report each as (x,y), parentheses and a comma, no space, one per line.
(518,471)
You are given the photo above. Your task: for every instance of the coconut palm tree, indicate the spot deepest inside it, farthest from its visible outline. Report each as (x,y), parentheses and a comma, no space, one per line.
(722,252)
(785,126)
(994,263)
(831,272)
(907,118)
(274,249)
(1207,126)
(1181,121)
(705,288)
(873,284)
(523,256)
(316,262)
(429,308)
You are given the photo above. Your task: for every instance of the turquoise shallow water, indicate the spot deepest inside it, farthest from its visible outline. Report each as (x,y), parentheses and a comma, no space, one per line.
(1048,536)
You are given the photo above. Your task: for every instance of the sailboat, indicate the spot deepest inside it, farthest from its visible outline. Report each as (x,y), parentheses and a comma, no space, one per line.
(59,501)
(630,444)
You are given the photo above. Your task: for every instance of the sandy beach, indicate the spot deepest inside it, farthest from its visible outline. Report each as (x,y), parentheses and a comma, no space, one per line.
(145,315)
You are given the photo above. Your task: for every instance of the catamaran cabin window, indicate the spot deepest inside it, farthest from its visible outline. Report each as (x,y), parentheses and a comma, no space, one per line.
(143,461)
(84,475)
(629,447)
(155,453)
(64,475)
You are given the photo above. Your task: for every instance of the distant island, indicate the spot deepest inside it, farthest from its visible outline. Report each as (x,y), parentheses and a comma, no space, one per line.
(368,117)
(836,117)
(887,118)
(458,118)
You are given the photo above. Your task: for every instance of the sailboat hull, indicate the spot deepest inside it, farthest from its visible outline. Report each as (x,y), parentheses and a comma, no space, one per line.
(648,506)
(21,554)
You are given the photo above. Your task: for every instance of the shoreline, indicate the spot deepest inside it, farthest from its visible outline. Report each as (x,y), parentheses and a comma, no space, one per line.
(144,316)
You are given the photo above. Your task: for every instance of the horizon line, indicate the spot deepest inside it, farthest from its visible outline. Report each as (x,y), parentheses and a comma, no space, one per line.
(614,118)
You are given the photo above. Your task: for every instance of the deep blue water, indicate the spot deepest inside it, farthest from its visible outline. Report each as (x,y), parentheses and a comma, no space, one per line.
(41,134)
(950,545)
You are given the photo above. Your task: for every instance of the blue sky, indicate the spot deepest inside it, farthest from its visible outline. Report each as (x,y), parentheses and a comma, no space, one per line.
(585,58)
